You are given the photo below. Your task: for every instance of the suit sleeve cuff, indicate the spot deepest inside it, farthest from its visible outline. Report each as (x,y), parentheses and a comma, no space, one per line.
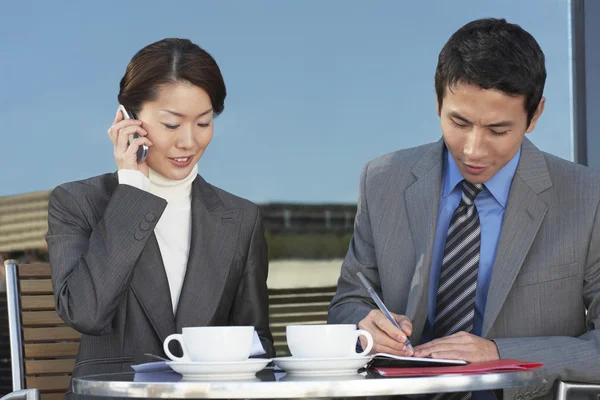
(133,178)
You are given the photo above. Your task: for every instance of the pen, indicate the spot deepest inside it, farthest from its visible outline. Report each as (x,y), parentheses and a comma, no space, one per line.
(381,306)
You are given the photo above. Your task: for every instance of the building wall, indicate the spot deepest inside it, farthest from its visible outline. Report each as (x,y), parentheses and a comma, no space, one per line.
(586,80)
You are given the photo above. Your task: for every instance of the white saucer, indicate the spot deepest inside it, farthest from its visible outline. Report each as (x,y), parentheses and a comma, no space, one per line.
(321,366)
(219,371)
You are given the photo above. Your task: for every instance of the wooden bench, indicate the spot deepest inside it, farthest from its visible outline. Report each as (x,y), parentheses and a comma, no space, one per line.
(49,346)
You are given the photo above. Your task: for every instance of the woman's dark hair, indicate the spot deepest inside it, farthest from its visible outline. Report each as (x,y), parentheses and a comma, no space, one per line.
(166,61)
(493,54)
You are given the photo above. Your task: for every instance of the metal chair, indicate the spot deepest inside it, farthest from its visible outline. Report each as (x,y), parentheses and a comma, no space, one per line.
(16,347)
(14,326)
(25,394)
(42,347)
(570,390)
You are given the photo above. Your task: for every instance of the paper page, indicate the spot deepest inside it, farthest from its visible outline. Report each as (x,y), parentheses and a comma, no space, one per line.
(423,359)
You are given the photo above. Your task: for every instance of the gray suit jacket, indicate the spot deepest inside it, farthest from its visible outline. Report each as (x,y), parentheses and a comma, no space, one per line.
(547,268)
(109,280)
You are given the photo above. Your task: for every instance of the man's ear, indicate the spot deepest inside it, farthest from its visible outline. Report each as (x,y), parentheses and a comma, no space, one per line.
(536,115)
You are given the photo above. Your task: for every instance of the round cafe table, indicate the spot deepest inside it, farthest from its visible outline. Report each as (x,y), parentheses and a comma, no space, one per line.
(272,384)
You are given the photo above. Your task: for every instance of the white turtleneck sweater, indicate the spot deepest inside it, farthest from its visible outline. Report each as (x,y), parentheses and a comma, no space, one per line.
(174,229)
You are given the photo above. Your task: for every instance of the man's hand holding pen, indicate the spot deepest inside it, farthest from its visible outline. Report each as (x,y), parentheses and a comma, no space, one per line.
(391,332)
(387,337)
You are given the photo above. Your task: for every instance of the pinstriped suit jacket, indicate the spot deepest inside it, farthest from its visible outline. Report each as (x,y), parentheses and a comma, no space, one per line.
(545,276)
(109,280)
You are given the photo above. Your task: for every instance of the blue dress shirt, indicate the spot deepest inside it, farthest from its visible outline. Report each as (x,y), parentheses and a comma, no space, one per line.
(491,204)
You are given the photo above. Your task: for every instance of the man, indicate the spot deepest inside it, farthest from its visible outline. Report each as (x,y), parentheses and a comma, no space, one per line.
(510,235)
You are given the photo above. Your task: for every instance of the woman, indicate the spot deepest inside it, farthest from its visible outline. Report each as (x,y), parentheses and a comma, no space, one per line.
(138,254)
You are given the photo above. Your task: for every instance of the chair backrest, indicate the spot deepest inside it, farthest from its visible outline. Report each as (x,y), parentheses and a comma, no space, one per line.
(23,394)
(295,307)
(43,347)
(566,390)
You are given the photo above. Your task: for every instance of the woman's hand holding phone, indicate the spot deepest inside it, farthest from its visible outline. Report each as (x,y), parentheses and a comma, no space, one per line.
(126,153)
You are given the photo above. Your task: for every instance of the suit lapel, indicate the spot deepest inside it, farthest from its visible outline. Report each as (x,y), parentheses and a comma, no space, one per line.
(151,288)
(524,214)
(422,202)
(213,243)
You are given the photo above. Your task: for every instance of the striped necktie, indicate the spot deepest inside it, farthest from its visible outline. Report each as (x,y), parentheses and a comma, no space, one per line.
(455,304)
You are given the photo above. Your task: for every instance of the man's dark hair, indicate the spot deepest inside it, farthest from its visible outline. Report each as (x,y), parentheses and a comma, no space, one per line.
(493,54)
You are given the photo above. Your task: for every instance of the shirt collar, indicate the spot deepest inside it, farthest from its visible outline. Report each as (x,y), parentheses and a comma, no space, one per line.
(498,186)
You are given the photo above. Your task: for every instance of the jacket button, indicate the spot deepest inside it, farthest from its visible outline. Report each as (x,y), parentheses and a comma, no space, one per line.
(144,226)
(150,217)
(139,235)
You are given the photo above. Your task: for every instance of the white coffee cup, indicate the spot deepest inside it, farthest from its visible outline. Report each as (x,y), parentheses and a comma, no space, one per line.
(326,341)
(212,343)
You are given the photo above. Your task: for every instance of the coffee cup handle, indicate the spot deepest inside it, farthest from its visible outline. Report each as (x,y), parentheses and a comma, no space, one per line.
(179,338)
(367,335)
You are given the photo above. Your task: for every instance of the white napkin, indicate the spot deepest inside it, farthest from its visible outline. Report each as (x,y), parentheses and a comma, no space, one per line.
(156,366)
(257,348)
(161,376)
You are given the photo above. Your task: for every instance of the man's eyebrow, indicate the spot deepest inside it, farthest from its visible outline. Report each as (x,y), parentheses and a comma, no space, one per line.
(456,115)
(500,124)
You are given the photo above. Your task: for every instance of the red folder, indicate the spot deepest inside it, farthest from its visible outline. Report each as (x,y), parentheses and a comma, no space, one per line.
(472,368)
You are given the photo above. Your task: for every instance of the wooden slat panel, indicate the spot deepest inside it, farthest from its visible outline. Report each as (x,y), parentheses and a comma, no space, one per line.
(303,298)
(37,303)
(309,321)
(289,294)
(298,308)
(53,396)
(36,286)
(16,217)
(303,290)
(282,350)
(49,367)
(50,334)
(49,382)
(34,271)
(41,318)
(292,319)
(51,350)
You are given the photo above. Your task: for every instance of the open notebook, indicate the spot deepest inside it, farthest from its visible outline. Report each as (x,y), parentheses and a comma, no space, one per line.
(384,360)
(495,366)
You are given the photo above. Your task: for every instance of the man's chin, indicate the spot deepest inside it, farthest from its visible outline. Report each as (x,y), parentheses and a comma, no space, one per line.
(477,178)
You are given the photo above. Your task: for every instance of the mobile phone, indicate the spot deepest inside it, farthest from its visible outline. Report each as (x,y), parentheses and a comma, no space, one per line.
(142,151)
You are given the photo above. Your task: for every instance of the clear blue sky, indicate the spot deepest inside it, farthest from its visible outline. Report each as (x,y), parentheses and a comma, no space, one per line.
(315,88)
